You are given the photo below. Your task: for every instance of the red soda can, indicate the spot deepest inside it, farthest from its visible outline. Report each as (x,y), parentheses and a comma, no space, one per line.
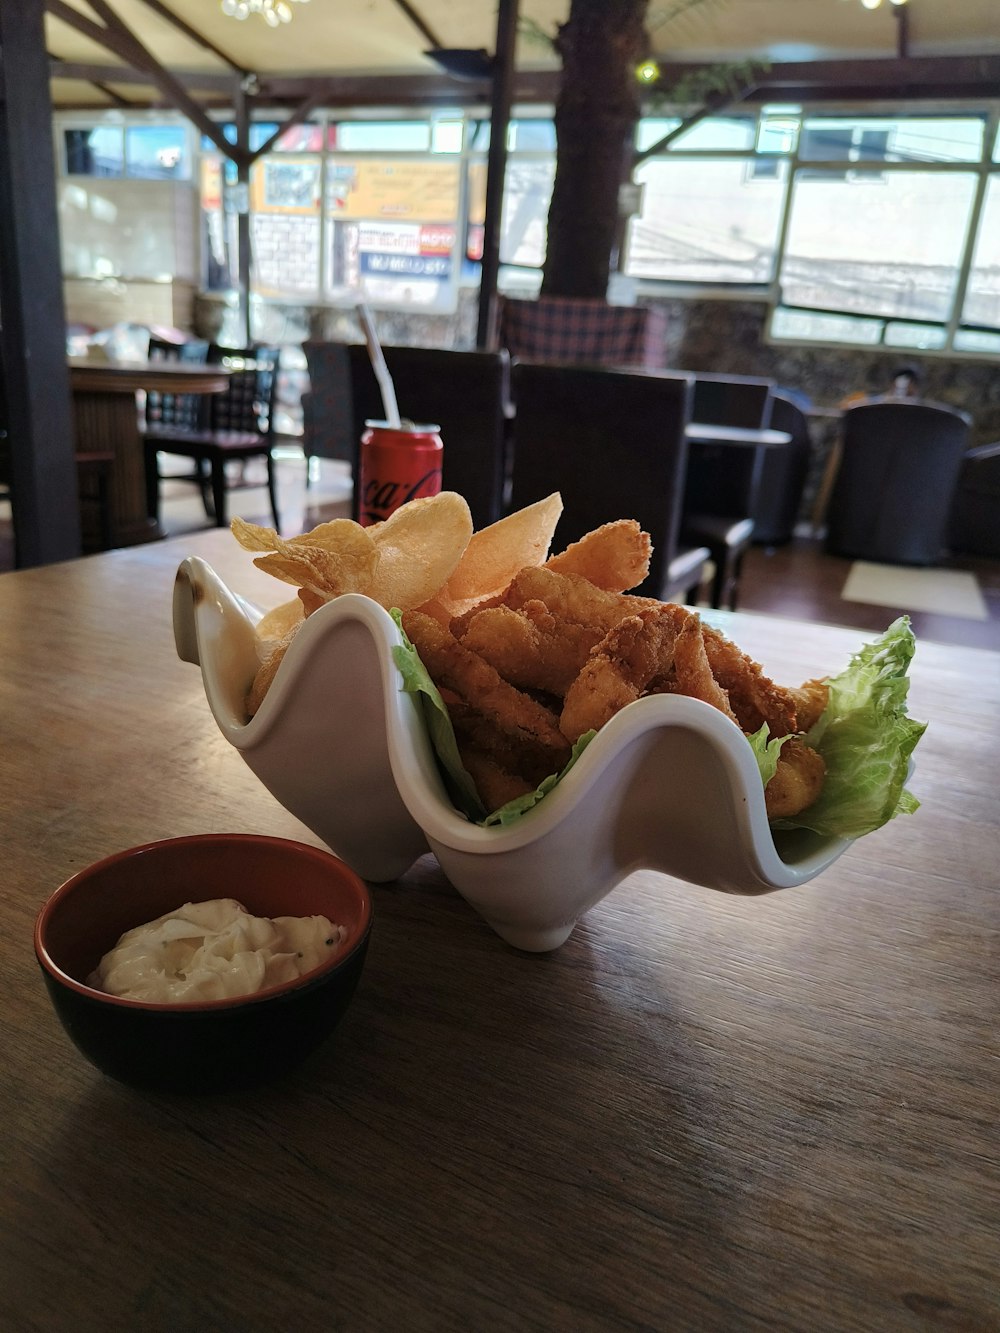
(397,464)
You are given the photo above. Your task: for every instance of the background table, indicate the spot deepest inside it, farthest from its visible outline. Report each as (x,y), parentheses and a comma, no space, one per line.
(106,416)
(702,1113)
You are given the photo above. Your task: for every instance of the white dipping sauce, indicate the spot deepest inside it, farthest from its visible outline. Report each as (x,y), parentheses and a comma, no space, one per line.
(213,951)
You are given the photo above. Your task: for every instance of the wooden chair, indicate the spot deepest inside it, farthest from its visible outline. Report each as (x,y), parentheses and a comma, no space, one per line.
(612,443)
(722,479)
(232,427)
(465,394)
(899,469)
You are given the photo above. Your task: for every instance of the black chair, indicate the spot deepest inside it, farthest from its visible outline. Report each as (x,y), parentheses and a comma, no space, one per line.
(327,418)
(899,468)
(783,475)
(612,443)
(465,394)
(723,478)
(974,526)
(177,410)
(234,427)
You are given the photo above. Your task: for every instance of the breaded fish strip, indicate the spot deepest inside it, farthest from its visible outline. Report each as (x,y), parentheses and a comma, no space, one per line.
(495,784)
(570,597)
(797,782)
(614,557)
(514,755)
(752,696)
(529,648)
(692,673)
(810,700)
(453,665)
(635,651)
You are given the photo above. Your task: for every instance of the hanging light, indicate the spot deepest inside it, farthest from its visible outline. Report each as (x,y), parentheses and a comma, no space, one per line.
(273,12)
(874,4)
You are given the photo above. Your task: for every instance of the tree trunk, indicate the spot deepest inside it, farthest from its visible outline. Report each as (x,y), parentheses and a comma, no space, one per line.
(600,44)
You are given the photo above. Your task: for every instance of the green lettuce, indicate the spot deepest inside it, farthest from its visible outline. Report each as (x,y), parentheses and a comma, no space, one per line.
(866,739)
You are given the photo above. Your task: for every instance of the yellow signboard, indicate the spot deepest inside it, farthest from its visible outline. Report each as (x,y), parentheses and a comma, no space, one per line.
(398,190)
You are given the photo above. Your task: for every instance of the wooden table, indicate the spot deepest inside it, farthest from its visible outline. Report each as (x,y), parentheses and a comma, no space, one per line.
(702,1113)
(106,415)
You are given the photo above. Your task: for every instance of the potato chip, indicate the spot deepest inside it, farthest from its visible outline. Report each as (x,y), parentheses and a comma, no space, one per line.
(280,619)
(419,547)
(344,558)
(495,554)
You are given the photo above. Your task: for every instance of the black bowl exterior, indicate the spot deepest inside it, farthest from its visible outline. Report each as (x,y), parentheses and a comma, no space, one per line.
(208,1050)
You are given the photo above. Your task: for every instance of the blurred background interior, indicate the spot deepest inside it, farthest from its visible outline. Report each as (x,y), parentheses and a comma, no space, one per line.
(812,200)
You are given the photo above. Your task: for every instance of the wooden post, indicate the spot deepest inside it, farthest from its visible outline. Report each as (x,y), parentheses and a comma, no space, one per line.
(503,78)
(33,332)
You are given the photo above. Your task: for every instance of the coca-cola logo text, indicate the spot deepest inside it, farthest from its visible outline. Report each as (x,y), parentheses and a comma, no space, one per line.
(382,498)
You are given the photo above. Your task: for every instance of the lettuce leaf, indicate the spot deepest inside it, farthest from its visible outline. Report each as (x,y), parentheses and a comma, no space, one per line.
(417,680)
(866,738)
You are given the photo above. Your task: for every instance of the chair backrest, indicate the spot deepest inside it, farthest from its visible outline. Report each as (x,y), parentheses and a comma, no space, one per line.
(899,469)
(612,443)
(184,411)
(732,400)
(576,331)
(327,419)
(247,404)
(465,394)
(721,479)
(783,474)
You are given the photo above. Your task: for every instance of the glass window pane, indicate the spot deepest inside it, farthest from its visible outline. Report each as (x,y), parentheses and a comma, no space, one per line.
(94,152)
(916,337)
(706,221)
(447,136)
(307,138)
(285,225)
(885,139)
(651,130)
(389,136)
(531,136)
(982,297)
(883,244)
(818,326)
(393,231)
(156,152)
(524,221)
(976,340)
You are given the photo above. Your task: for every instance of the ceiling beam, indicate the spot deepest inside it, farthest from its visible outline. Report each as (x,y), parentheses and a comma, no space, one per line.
(117,37)
(932,78)
(419,23)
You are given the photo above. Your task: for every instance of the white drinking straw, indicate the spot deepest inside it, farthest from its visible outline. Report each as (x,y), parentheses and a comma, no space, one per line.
(378,365)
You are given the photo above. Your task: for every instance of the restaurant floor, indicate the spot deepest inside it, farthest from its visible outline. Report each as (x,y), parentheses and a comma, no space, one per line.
(797,580)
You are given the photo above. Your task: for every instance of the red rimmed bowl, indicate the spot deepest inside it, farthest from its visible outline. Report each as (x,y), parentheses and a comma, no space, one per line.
(215,1045)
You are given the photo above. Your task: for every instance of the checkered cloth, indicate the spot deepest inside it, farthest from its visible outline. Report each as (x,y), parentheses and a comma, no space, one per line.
(583,332)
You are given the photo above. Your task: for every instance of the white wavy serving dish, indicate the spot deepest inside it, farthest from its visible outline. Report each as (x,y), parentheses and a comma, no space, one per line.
(669,784)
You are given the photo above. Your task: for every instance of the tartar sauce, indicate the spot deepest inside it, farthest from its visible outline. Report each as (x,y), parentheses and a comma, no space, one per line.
(213,951)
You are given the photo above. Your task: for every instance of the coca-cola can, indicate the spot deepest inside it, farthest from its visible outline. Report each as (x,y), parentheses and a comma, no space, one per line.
(398,464)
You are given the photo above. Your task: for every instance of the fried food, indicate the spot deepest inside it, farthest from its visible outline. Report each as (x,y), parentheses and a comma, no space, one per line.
(797,781)
(529,647)
(474,681)
(614,557)
(529,657)
(753,698)
(621,666)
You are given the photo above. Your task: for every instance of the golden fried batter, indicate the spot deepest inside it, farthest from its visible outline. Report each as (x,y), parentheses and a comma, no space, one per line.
(797,781)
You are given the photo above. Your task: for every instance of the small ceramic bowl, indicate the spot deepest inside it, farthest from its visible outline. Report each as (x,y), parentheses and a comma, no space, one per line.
(215,1045)
(669,784)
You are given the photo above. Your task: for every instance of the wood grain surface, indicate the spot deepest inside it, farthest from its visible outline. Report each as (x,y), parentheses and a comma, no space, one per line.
(703,1112)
